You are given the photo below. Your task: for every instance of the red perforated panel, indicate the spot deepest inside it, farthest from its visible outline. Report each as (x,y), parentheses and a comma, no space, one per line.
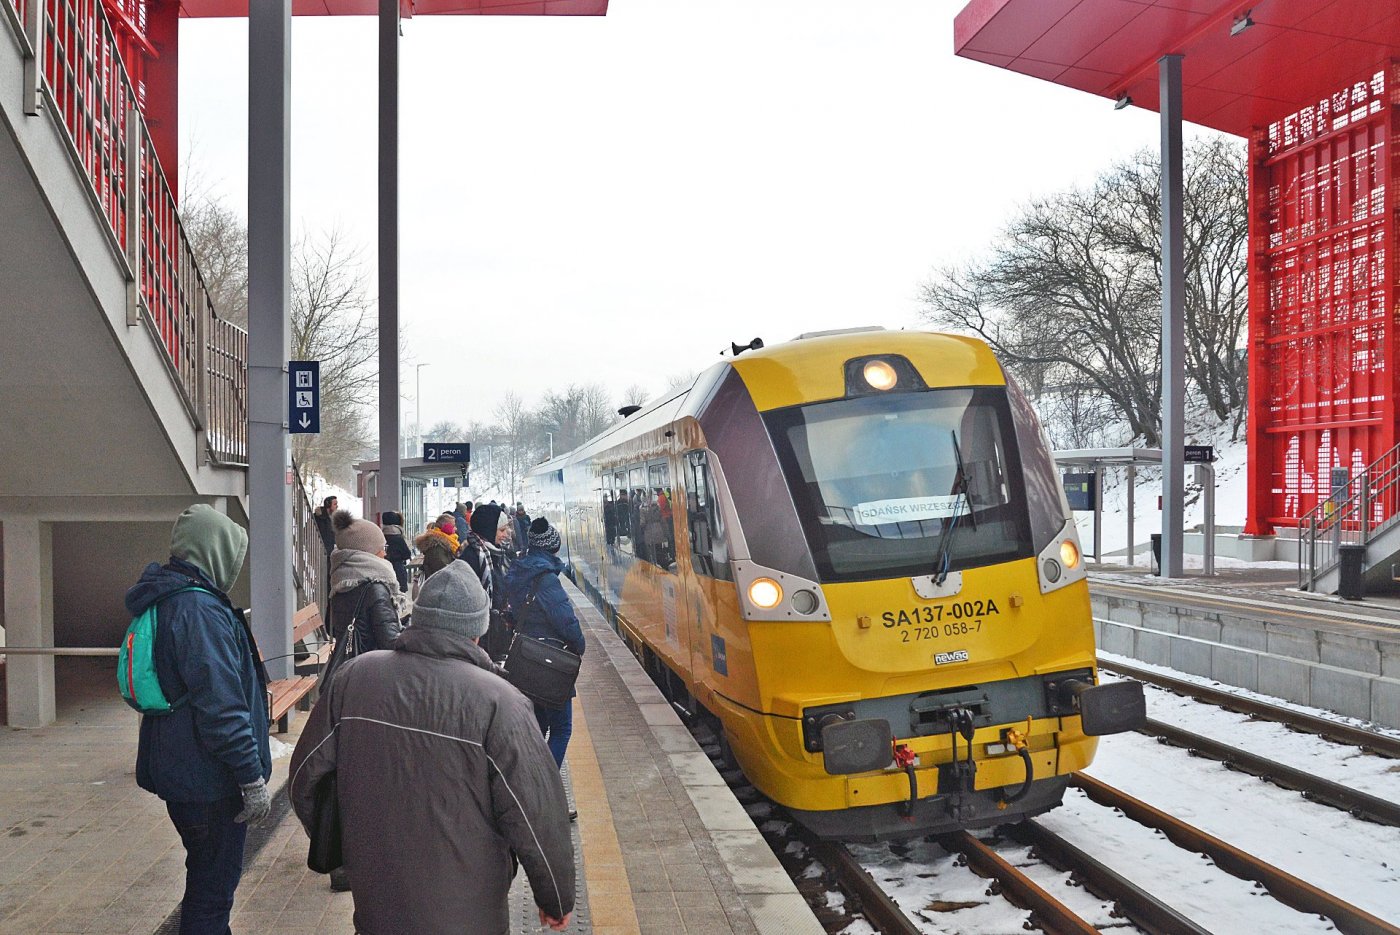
(1323,343)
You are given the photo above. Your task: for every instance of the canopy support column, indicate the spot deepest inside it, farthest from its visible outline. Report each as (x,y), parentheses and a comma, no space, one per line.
(1173,323)
(390,485)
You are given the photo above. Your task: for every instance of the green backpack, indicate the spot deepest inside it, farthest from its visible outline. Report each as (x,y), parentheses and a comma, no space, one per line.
(136,665)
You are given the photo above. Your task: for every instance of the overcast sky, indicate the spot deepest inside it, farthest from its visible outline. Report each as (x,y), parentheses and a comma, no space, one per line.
(617,199)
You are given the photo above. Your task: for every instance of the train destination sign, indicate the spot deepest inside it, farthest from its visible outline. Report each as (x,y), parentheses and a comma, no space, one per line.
(452,452)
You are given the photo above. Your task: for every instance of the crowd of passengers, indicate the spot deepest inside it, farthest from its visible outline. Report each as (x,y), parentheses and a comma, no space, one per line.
(445,777)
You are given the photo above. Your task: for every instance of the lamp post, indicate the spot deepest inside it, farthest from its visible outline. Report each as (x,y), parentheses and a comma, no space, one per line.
(418,402)
(551,445)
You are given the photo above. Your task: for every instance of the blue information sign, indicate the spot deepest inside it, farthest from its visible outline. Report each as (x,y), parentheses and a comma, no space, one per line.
(304,397)
(1080,490)
(450,452)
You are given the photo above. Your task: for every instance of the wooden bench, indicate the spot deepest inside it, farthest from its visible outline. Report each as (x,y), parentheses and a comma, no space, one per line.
(285,694)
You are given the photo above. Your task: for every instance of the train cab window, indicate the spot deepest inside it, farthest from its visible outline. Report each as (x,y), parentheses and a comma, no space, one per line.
(906,484)
(622,514)
(709,551)
(655,532)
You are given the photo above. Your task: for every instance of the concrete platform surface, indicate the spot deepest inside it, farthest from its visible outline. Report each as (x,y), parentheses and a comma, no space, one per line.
(663,845)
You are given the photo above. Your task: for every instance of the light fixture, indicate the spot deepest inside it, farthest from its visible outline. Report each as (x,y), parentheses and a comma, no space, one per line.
(880,375)
(765,593)
(1069,554)
(1241,24)
(1123,101)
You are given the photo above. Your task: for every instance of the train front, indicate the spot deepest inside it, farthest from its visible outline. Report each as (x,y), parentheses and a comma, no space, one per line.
(915,651)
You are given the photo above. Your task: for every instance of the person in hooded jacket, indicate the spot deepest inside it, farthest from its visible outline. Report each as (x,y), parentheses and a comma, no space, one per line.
(441,777)
(396,548)
(439,545)
(480,552)
(364,589)
(208,759)
(542,610)
(520,528)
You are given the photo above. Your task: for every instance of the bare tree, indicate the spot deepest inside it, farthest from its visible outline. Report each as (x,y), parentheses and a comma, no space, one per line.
(1071,291)
(219,241)
(634,395)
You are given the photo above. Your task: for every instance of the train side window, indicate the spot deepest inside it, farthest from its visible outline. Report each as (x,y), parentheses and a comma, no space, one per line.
(622,513)
(655,534)
(708,547)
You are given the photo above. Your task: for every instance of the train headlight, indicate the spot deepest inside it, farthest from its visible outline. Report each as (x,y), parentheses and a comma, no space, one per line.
(1052,570)
(804,601)
(1069,554)
(880,375)
(765,593)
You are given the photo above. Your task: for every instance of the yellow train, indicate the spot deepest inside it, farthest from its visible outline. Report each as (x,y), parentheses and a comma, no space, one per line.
(853,552)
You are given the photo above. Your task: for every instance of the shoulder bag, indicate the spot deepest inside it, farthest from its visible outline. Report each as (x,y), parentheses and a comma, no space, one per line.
(541,670)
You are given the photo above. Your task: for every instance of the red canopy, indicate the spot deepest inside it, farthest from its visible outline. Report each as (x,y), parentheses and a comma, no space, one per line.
(409,8)
(1295,52)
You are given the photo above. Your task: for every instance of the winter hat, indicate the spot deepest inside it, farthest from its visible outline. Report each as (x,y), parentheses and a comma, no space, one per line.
(485,520)
(453,599)
(358,534)
(447,527)
(544,536)
(390,518)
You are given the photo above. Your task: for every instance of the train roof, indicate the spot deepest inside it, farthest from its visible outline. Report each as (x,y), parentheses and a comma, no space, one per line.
(813,367)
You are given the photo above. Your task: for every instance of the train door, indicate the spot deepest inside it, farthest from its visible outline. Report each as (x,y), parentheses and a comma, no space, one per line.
(710,591)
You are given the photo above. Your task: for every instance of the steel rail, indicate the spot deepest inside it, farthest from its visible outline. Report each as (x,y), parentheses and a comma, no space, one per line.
(875,904)
(1337,731)
(1142,908)
(1314,787)
(1049,912)
(1286,888)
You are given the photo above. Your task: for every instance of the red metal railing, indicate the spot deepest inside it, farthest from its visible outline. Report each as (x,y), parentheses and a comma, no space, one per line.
(80,73)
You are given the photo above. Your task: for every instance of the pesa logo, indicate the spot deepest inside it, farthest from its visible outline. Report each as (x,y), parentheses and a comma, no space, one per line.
(941,659)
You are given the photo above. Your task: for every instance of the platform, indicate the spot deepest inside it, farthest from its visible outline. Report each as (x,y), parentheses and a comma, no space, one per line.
(1252,629)
(664,846)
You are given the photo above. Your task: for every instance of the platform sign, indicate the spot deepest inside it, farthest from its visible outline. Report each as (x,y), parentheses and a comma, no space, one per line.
(304,397)
(448,452)
(1200,454)
(1081,491)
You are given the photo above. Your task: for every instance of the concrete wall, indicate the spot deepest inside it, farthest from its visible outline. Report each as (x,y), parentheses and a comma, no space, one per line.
(1353,670)
(94,564)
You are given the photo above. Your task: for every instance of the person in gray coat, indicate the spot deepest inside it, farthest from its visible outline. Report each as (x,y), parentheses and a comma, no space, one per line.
(442,777)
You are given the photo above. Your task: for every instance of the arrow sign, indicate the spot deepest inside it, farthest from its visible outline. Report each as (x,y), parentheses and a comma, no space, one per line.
(304,397)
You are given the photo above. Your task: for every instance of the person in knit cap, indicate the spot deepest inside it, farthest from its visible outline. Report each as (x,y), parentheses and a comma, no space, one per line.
(542,610)
(480,552)
(439,544)
(208,759)
(441,777)
(364,589)
(396,548)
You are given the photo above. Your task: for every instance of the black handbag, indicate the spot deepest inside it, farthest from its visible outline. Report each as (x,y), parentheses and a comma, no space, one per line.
(543,672)
(325,854)
(496,642)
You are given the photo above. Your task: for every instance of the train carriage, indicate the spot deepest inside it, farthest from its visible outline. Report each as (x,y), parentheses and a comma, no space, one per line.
(853,552)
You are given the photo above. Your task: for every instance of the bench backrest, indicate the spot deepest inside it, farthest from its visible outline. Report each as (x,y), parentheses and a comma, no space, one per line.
(305,622)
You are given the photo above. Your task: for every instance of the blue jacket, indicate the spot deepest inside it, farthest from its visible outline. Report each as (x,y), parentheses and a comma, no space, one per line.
(216,740)
(552,616)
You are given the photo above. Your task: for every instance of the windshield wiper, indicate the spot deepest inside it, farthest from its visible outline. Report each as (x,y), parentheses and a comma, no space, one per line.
(960,486)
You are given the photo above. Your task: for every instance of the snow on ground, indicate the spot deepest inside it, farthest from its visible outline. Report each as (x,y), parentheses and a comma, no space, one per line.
(1357,861)
(279,749)
(1340,763)
(1110,658)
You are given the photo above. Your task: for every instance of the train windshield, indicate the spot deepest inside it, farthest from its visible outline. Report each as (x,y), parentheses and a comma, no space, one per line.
(900,484)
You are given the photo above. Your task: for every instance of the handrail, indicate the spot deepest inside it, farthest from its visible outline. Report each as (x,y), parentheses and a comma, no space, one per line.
(1367,505)
(77,69)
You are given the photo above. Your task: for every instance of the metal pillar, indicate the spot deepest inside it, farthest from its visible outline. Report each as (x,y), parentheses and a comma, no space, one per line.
(1098,515)
(390,486)
(269,330)
(1132,489)
(1173,322)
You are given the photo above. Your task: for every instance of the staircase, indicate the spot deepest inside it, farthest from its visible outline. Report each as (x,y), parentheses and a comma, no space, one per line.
(1364,513)
(99,217)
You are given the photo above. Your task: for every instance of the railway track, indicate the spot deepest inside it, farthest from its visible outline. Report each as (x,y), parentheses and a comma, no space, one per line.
(1349,734)
(1139,906)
